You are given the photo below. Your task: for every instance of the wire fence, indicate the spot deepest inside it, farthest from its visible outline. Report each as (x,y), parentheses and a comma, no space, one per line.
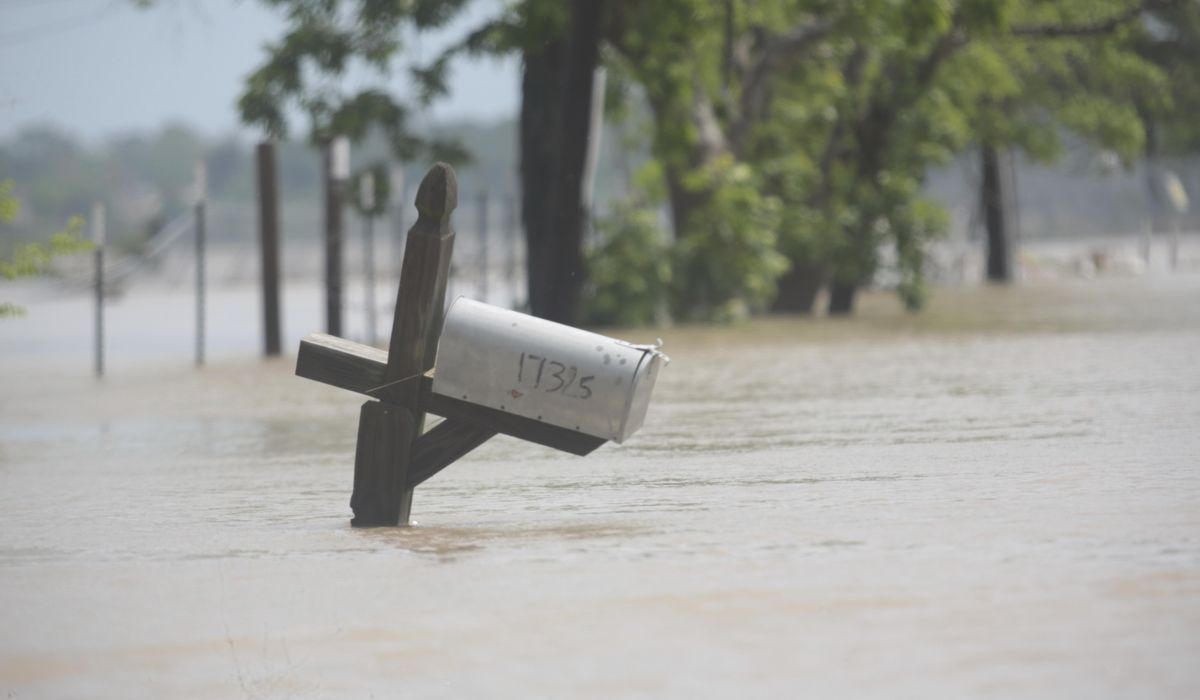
(151,286)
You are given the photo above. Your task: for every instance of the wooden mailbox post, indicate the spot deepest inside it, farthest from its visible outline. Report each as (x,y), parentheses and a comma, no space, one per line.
(395,454)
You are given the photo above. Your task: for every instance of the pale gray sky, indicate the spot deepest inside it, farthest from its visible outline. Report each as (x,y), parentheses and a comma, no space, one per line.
(100,67)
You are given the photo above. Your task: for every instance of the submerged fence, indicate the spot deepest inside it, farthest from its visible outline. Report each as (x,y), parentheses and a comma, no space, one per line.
(213,281)
(184,293)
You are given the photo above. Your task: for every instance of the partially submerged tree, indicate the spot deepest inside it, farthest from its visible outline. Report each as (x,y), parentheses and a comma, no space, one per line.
(1060,68)
(932,77)
(804,128)
(842,108)
(1170,40)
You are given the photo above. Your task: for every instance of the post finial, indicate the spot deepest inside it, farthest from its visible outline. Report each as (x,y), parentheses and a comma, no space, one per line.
(438,194)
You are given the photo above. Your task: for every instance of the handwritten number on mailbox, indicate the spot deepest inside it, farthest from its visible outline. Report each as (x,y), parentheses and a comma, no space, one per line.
(583,385)
(541,366)
(564,382)
(558,375)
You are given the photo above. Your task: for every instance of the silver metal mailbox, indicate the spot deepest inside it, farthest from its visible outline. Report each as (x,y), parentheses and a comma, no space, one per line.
(546,371)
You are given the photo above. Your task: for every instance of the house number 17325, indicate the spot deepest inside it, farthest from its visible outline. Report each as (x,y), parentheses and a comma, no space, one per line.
(551,376)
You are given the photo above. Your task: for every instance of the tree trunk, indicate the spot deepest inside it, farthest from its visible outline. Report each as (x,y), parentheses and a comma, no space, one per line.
(708,144)
(1154,189)
(559,81)
(995,220)
(841,298)
(683,201)
(539,105)
(798,288)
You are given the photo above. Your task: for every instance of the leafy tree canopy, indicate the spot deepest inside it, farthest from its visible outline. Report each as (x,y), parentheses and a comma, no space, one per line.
(324,40)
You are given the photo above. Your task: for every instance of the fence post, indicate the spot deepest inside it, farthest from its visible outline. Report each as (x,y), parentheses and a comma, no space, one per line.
(481,203)
(335,163)
(399,195)
(366,201)
(98,238)
(201,197)
(268,241)
(513,240)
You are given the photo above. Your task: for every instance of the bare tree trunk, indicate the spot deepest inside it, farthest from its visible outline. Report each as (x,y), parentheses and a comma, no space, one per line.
(538,115)
(559,81)
(995,220)
(798,288)
(841,298)
(1154,189)
(566,274)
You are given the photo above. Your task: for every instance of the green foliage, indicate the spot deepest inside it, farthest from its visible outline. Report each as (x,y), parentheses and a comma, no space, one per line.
(852,132)
(1170,42)
(629,271)
(914,224)
(900,88)
(723,268)
(1024,91)
(797,130)
(726,261)
(29,259)
(10,206)
(324,40)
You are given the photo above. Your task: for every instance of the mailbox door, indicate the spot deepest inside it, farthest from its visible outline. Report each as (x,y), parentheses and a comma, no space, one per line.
(639,399)
(543,370)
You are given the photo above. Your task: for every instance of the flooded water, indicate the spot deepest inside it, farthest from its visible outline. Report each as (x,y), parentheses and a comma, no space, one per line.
(998,498)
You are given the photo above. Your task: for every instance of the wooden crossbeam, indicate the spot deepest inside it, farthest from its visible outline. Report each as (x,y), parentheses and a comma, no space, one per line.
(442,445)
(361,368)
(341,363)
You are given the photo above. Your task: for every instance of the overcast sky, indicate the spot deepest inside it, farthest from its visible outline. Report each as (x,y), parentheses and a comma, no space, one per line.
(101,67)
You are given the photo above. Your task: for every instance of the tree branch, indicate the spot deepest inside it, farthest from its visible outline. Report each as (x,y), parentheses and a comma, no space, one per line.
(756,86)
(852,69)
(1104,26)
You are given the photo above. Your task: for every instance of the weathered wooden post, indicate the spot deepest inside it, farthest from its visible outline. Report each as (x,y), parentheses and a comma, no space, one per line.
(399,192)
(366,206)
(385,430)
(481,214)
(499,372)
(201,178)
(335,169)
(268,243)
(512,240)
(98,236)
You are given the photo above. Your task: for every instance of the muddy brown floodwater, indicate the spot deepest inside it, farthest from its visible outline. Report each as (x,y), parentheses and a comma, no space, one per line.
(998,498)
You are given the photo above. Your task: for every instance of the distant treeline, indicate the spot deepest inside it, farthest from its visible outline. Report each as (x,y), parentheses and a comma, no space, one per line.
(147,178)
